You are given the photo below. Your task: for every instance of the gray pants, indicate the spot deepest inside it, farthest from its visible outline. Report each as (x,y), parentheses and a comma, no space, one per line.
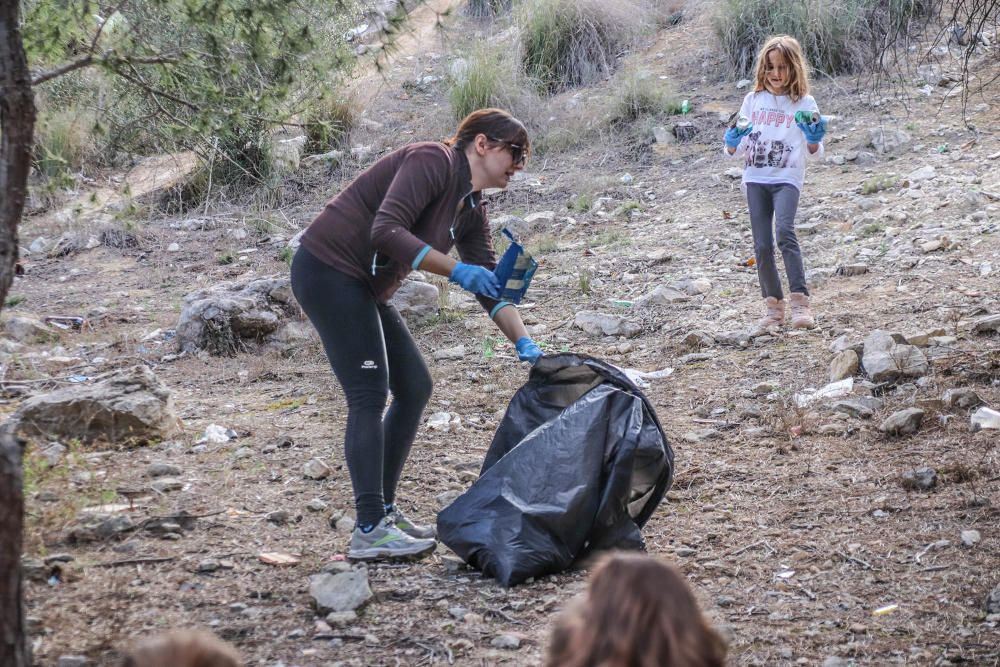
(778,202)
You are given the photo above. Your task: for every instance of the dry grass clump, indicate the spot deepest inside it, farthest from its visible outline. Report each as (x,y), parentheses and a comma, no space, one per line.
(488,79)
(638,94)
(568,43)
(837,37)
(487,9)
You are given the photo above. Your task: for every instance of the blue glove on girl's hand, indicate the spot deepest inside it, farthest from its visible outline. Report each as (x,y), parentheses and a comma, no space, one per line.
(476,279)
(814,131)
(527,350)
(734,135)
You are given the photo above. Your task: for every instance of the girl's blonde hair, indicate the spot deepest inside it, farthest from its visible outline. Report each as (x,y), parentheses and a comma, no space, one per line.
(798,73)
(637,612)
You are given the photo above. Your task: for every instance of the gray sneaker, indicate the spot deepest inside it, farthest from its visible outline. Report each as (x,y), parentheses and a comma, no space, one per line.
(410,528)
(387,542)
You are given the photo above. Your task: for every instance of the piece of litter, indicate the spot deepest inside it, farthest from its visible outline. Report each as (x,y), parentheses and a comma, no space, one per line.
(883,611)
(639,378)
(277,558)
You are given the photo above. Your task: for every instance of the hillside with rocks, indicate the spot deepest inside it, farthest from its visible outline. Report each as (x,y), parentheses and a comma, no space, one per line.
(837,490)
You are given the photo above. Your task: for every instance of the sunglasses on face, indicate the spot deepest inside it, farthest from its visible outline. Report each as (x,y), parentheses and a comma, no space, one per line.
(517,152)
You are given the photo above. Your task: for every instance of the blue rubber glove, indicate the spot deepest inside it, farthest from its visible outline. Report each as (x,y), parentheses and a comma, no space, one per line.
(734,135)
(814,131)
(476,279)
(527,350)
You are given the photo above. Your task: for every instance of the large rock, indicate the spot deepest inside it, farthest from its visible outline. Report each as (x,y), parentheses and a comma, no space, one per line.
(600,324)
(29,330)
(844,365)
(988,324)
(904,422)
(886,360)
(886,140)
(661,296)
(132,405)
(232,317)
(416,301)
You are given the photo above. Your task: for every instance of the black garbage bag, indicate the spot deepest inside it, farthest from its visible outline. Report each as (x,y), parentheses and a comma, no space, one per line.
(579,463)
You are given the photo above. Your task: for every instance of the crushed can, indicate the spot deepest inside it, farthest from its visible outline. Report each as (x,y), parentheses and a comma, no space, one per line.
(514,271)
(807,117)
(740,122)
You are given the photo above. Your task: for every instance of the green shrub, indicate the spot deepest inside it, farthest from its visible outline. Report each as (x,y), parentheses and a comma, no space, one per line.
(879,183)
(327,124)
(488,81)
(837,37)
(637,94)
(567,43)
(63,141)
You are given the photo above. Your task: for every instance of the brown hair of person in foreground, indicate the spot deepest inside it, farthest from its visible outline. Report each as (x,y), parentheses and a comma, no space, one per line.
(637,612)
(182,648)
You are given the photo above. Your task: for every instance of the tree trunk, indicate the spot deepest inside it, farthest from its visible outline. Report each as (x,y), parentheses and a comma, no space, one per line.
(13,647)
(17,125)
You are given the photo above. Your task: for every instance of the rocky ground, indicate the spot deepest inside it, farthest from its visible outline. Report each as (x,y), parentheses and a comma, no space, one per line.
(852,524)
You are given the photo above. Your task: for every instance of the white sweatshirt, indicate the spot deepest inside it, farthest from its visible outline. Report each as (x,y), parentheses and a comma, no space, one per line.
(775,150)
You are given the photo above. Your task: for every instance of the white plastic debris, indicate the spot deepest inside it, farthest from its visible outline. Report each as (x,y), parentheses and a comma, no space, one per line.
(216,434)
(640,378)
(985,418)
(833,390)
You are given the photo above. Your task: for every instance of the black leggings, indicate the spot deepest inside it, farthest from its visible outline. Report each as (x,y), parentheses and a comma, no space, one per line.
(363,340)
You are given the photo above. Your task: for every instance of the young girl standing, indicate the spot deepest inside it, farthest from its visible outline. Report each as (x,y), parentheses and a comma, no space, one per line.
(775,146)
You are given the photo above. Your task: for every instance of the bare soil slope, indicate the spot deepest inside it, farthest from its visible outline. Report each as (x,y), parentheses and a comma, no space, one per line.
(791,523)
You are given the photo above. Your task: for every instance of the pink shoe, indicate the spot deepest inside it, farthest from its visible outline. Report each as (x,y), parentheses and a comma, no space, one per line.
(801,315)
(774,314)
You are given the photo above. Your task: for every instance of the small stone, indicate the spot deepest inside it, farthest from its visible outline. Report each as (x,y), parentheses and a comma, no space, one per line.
(278,517)
(961,397)
(697,339)
(316,469)
(346,591)
(971,538)
(446,354)
(509,642)
(447,498)
(208,565)
(921,479)
(852,270)
(165,484)
(341,618)
(993,601)
(904,422)
(243,453)
(316,505)
(684,552)
(72,661)
(158,469)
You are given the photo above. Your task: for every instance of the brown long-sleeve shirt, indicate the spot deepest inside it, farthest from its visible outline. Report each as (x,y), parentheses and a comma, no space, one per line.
(418,195)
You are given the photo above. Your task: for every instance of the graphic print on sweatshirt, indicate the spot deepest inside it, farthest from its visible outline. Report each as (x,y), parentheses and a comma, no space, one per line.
(775,149)
(774,153)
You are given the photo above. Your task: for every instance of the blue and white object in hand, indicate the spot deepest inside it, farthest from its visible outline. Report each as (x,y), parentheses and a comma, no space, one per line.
(476,279)
(734,135)
(527,350)
(814,132)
